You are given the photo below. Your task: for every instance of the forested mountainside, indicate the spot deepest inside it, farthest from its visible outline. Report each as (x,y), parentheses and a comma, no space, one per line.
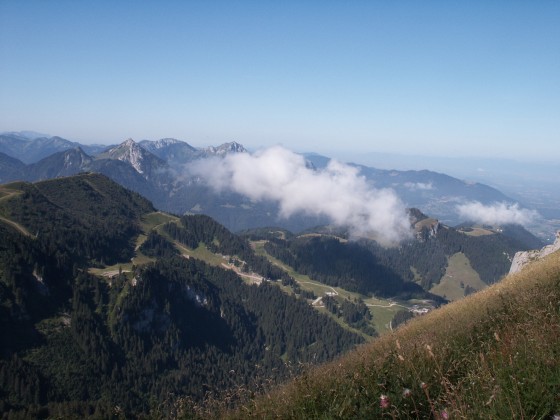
(87,217)
(409,270)
(489,255)
(346,265)
(79,337)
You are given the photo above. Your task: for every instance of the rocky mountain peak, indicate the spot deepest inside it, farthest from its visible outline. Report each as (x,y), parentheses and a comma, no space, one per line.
(128,151)
(226,148)
(76,157)
(165,142)
(170,150)
(522,258)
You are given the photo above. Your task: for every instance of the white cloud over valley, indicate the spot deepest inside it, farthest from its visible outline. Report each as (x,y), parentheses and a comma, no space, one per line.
(338,191)
(413,186)
(497,213)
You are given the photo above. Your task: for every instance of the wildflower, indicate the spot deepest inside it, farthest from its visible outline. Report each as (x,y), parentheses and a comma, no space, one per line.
(384,401)
(406,393)
(423,385)
(429,348)
(444,414)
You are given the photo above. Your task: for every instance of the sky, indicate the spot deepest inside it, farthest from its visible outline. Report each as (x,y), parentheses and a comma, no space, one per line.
(438,78)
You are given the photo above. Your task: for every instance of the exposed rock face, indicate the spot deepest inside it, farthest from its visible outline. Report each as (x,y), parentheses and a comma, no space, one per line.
(129,152)
(522,258)
(172,151)
(425,227)
(144,162)
(224,149)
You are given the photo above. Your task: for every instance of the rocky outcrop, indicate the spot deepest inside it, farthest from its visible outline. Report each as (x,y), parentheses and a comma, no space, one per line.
(224,149)
(522,258)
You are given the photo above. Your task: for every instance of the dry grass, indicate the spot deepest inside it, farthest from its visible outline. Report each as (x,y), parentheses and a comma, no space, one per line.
(478,232)
(156,219)
(459,271)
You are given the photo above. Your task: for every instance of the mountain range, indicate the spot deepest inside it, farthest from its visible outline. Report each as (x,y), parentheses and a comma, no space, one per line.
(159,171)
(26,147)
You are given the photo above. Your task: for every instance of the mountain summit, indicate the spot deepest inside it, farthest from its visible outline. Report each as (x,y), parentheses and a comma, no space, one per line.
(143,161)
(171,150)
(224,149)
(65,163)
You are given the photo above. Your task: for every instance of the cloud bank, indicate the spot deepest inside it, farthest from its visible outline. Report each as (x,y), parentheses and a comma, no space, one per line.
(496,214)
(337,191)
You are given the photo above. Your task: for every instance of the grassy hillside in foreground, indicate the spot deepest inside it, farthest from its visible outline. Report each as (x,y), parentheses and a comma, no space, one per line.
(494,354)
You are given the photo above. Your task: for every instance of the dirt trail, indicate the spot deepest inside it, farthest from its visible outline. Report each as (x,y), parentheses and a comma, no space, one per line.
(390,305)
(17,226)
(9,194)
(256,278)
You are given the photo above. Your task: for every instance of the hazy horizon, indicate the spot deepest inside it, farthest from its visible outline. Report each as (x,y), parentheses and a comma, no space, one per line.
(499,172)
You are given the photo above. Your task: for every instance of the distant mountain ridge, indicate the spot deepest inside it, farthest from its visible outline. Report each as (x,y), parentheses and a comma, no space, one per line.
(11,168)
(31,150)
(59,164)
(143,161)
(28,134)
(172,151)
(435,193)
(159,170)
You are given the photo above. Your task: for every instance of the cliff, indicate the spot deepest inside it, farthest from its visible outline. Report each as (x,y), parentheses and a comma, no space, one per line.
(522,258)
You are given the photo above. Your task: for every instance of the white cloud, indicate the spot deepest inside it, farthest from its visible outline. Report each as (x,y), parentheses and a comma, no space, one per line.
(338,191)
(496,214)
(413,186)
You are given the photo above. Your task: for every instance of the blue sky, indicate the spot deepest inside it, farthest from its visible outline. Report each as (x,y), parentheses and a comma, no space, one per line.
(424,77)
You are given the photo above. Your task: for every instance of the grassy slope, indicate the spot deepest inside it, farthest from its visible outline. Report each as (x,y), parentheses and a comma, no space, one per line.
(149,221)
(458,271)
(155,221)
(494,354)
